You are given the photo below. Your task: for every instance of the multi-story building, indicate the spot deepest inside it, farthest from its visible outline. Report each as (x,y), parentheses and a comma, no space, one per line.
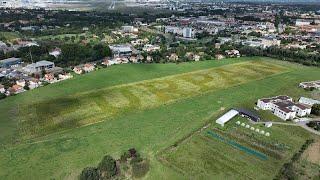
(39,66)
(284,107)
(187,32)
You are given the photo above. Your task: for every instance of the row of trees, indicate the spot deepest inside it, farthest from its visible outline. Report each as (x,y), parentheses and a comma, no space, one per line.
(288,170)
(72,54)
(292,55)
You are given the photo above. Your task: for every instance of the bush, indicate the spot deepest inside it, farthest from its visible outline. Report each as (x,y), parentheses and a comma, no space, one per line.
(124,156)
(140,169)
(133,152)
(136,160)
(89,173)
(108,166)
(316,109)
(2,96)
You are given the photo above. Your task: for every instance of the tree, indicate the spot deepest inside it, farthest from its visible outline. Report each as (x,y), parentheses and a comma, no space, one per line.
(43,72)
(90,173)
(133,152)
(2,96)
(100,51)
(107,167)
(124,156)
(26,87)
(315,109)
(2,55)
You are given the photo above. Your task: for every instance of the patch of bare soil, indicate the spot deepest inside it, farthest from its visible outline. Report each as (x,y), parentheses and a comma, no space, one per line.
(312,154)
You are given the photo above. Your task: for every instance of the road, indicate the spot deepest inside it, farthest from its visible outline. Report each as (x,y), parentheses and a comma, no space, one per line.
(302,124)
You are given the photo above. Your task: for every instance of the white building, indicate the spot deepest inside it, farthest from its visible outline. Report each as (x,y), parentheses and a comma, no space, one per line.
(233,53)
(151,48)
(121,50)
(2,89)
(308,101)
(187,32)
(34,83)
(301,22)
(310,84)
(39,66)
(173,30)
(21,83)
(227,117)
(129,29)
(284,107)
(55,52)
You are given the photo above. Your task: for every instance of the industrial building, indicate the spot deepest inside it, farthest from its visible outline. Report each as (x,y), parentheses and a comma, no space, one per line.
(10,62)
(39,66)
(121,50)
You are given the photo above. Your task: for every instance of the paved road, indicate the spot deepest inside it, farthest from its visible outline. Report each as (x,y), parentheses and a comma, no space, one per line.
(302,124)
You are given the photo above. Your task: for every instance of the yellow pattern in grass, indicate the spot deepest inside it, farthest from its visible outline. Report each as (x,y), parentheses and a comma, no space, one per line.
(95,106)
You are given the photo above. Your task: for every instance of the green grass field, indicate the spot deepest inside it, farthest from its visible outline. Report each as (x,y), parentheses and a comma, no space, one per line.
(57,130)
(94,106)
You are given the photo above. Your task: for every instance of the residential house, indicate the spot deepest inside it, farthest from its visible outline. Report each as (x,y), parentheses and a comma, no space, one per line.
(34,83)
(56,52)
(108,62)
(88,67)
(149,59)
(232,53)
(2,89)
(21,82)
(151,48)
(65,76)
(133,59)
(121,60)
(219,56)
(196,57)
(78,70)
(15,89)
(49,77)
(192,56)
(173,57)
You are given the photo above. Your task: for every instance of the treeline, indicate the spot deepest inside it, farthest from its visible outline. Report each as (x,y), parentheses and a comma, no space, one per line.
(130,165)
(288,170)
(72,54)
(291,55)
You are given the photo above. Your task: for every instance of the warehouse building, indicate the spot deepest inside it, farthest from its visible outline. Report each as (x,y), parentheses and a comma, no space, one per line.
(227,117)
(10,62)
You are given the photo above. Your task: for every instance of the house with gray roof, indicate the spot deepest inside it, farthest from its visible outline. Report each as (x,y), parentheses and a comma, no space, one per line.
(39,66)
